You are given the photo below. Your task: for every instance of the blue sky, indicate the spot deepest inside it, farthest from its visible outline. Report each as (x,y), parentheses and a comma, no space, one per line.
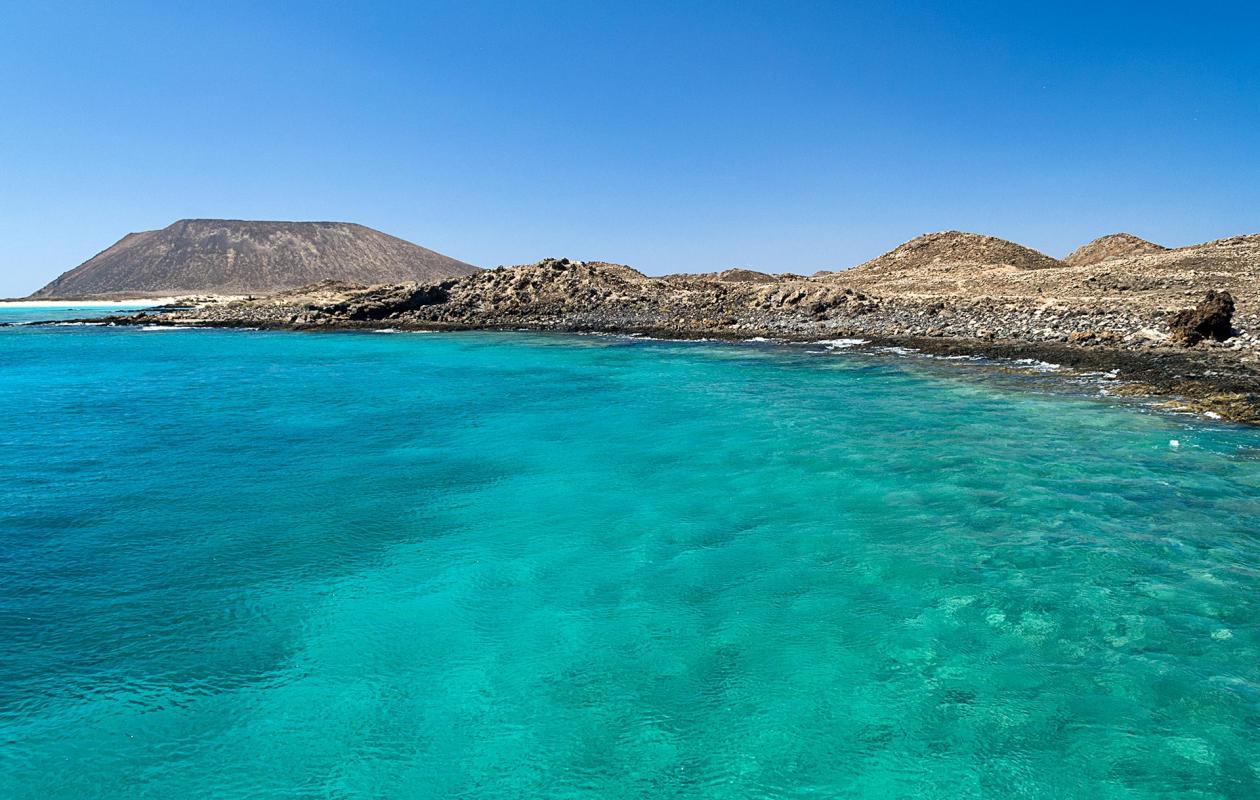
(669,136)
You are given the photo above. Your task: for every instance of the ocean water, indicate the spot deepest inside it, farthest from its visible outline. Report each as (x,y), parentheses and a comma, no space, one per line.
(23,314)
(242,564)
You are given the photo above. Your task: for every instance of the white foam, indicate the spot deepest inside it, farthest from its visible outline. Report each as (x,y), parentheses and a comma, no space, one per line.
(1037,365)
(393,330)
(841,344)
(168,327)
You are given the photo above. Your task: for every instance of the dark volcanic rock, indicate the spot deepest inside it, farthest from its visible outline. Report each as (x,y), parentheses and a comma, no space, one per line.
(1211,319)
(390,301)
(240,257)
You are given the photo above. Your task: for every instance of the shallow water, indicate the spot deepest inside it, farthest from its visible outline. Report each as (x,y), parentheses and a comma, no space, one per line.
(23,314)
(251,564)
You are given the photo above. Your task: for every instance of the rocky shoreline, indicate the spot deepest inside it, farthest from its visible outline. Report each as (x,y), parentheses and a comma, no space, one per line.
(1200,382)
(1164,322)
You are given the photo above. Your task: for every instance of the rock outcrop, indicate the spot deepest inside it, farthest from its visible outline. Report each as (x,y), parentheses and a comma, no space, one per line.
(1211,319)
(239,257)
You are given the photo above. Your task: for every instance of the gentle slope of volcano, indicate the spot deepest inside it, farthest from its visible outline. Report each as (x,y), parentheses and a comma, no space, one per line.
(212,256)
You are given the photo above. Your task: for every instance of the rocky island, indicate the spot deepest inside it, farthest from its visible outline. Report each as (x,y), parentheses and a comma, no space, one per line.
(1177,322)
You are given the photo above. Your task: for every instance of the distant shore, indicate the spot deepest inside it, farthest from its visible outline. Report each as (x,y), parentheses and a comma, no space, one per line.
(138,301)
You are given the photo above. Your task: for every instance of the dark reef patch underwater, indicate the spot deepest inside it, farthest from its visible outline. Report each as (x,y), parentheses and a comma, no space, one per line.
(269,564)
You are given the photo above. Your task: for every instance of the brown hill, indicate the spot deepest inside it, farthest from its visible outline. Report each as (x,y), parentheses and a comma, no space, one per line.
(741,275)
(235,257)
(1112,246)
(1232,264)
(1245,243)
(955,248)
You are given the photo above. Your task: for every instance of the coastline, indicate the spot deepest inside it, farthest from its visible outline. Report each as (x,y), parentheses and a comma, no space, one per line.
(138,301)
(1202,382)
(1167,328)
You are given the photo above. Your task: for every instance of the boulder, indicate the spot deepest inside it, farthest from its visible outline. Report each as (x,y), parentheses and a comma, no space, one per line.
(1210,319)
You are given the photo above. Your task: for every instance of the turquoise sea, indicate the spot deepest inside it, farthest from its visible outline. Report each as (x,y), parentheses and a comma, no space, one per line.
(13,314)
(244,564)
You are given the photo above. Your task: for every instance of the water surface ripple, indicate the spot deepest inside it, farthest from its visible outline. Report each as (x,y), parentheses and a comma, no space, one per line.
(249,565)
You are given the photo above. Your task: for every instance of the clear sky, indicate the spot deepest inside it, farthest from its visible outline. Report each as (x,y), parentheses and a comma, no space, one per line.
(670,136)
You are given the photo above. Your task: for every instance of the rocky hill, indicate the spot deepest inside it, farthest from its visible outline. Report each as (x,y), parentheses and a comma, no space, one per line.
(938,251)
(950,262)
(1112,246)
(241,257)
